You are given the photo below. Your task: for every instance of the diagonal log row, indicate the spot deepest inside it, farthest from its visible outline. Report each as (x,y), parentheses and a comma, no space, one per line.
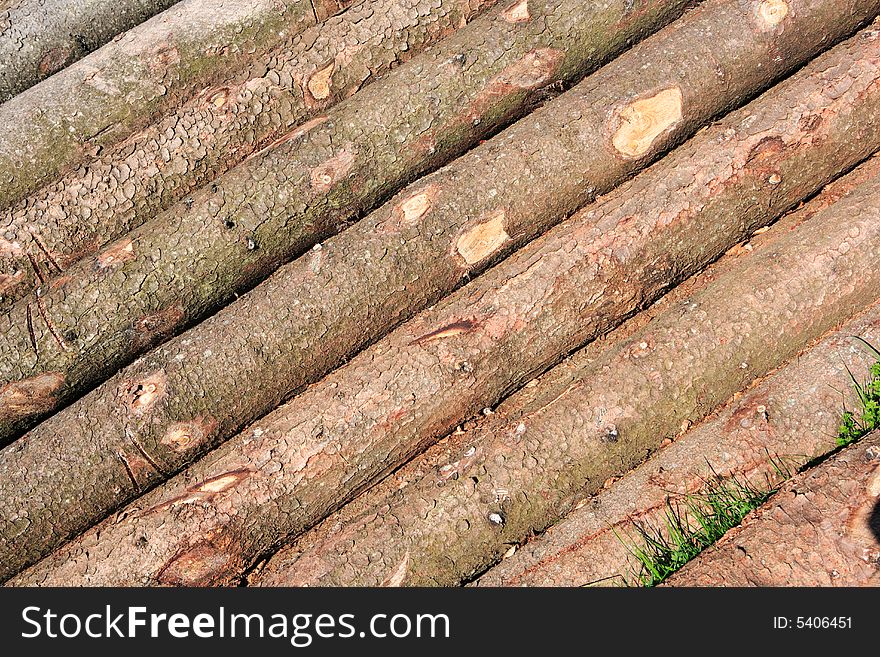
(214,130)
(331,533)
(102,98)
(41,37)
(188,262)
(208,383)
(790,416)
(821,529)
(548,445)
(175,270)
(417,383)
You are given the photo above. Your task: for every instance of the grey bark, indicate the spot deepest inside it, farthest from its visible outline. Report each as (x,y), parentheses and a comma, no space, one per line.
(40,37)
(131,182)
(173,271)
(119,88)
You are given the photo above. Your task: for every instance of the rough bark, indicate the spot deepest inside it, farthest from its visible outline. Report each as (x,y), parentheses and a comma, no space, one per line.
(548,445)
(185,264)
(423,378)
(213,131)
(793,415)
(821,529)
(117,89)
(190,261)
(450,448)
(40,37)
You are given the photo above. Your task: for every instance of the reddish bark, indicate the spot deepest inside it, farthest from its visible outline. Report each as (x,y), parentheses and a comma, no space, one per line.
(388,403)
(821,529)
(593,418)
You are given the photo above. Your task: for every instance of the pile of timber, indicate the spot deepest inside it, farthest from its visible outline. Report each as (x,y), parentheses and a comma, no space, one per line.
(408,292)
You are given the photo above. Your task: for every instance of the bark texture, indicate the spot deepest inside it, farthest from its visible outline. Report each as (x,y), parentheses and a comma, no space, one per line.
(192,260)
(547,446)
(390,401)
(793,415)
(40,37)
(216,129)
(821,529)
(117,89)
(223,374)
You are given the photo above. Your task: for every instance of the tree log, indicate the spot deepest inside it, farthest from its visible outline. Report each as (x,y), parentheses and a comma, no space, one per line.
(175,270)
(213,131)
(821,529)
(41,37)
(418,382)
(793,415)
(548,446)
(182,266)
(122,86)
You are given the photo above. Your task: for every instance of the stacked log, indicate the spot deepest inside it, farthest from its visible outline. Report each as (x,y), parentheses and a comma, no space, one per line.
(214,130)
(195,258)
(548,446)
(340,435)
(790,418)
(120,87)
(41,37)
(821,529)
